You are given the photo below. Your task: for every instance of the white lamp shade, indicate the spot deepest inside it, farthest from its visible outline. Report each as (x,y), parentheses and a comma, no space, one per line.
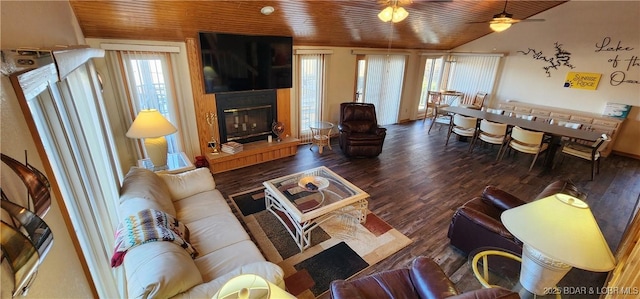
(500,24)
(563,228)
(393,13)
(399,14)
(150,123)
(386,14)
(250,286)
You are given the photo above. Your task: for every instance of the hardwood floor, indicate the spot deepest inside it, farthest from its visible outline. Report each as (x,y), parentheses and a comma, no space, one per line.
(417,183)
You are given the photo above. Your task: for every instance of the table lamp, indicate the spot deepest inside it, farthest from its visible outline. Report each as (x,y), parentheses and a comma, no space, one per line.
(152,126)
(252,286)
(558,232)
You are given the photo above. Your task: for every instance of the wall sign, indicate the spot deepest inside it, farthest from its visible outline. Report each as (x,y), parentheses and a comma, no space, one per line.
(582,80)
(622,61)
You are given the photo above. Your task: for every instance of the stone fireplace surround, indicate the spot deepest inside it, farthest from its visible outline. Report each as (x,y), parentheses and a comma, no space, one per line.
(246,116)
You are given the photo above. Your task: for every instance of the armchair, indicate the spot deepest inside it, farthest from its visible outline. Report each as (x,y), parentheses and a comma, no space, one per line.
(423,279)
(477,222)
(360,135)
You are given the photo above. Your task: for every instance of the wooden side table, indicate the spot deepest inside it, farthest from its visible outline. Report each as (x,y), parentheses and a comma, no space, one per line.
(176,163)
(321,133)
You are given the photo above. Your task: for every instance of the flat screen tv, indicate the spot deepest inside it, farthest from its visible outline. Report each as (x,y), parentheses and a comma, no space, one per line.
(232,62)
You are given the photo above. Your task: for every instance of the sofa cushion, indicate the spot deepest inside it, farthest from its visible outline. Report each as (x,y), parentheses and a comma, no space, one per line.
(143,189)
(227,259)
(188,183)
(201,205)
(215,232)
(264,269)
(159,270)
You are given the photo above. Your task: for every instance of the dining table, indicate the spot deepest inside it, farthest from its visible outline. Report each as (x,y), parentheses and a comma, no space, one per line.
(554,131)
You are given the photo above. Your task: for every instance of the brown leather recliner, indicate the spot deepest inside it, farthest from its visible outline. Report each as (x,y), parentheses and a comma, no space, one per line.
(477,223)
(360,135)
(424,279)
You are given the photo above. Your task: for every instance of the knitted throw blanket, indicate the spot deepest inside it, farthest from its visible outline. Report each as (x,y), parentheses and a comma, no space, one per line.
(149,226)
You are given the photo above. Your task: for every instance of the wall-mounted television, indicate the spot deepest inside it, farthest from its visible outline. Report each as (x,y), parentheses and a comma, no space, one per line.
(233,62)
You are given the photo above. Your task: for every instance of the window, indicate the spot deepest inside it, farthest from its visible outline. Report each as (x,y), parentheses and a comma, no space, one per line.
(150,86)
(433,68)
(71,121)
(471,74)
(384,76)
(311,92)
(361,67)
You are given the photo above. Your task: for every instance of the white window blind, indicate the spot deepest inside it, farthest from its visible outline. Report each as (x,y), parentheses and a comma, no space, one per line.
(383,85)
(76,135)
(311,92)
(471,74)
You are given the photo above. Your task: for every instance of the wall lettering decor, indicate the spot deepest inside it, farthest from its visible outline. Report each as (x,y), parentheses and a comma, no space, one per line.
(560,58)
(627,63)
(582,80)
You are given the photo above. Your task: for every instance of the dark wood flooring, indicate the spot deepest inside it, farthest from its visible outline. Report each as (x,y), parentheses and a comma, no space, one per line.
(417,183)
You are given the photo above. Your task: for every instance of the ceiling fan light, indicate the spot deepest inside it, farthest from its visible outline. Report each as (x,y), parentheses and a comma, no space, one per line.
(386,14)
(499,25)
(399,14)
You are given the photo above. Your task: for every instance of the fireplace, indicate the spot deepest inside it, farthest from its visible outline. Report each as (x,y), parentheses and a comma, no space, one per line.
(246,116)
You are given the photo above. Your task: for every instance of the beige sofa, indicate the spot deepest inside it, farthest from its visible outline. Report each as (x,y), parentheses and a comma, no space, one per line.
(164,269)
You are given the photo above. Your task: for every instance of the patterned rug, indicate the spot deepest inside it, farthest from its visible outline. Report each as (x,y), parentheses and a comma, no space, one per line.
(340,248)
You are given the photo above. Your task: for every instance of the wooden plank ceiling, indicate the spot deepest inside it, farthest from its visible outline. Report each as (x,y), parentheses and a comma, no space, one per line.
(434,25)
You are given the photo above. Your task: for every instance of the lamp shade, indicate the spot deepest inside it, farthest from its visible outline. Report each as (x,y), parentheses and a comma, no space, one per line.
(393,13)
(563,228)
(500,24)
(149,124)
(249,286)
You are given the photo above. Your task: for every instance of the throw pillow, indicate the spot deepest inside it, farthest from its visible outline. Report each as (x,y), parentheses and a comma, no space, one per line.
(188,183)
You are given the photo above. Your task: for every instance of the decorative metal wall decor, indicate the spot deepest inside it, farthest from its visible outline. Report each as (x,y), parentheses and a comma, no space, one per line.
(25,237)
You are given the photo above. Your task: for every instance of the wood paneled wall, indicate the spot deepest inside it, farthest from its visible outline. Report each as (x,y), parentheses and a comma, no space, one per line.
(206,103)
(624,280)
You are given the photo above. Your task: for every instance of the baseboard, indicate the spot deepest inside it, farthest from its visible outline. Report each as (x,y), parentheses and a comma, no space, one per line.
(637,157)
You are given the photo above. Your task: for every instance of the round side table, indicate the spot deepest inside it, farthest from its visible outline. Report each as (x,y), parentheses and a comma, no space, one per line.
(502,272)
(321,135)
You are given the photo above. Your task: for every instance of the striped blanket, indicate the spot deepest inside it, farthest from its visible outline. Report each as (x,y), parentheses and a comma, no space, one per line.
(149,226)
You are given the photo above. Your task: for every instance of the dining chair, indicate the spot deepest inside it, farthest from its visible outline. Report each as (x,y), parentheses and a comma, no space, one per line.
(463,126)
(590,152)
(439,117)
(477,102)
(491,132)
(433,98)
(525,141)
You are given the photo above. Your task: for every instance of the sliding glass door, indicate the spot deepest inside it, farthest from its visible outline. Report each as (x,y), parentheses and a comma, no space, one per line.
(383,80)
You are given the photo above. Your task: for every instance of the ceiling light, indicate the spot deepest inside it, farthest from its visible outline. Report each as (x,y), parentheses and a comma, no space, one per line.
(500,24)
(267,10)
(393,13)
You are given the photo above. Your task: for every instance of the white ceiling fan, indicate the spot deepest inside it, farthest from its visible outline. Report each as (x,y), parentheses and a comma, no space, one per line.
(504,20)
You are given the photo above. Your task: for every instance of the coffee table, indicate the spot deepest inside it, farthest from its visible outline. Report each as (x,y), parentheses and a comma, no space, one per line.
(301,209)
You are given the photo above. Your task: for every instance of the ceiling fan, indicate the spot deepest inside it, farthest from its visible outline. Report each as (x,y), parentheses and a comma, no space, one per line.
(504,20)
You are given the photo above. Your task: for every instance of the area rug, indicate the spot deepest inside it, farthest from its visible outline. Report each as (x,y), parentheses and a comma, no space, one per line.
(340,248)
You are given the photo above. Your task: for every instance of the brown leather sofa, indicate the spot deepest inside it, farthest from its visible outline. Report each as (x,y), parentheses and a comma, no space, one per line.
(423,279)
(477,223)
(360,135)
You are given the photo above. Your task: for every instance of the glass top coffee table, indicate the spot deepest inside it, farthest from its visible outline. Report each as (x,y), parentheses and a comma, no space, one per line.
(302,201)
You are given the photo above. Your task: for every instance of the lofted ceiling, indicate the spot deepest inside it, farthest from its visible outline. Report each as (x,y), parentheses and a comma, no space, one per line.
(433,25)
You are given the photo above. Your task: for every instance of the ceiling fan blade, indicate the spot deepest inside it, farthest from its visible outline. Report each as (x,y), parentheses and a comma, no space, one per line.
(532,20)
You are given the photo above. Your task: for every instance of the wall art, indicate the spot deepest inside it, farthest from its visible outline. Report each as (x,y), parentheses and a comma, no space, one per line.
(560,58)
